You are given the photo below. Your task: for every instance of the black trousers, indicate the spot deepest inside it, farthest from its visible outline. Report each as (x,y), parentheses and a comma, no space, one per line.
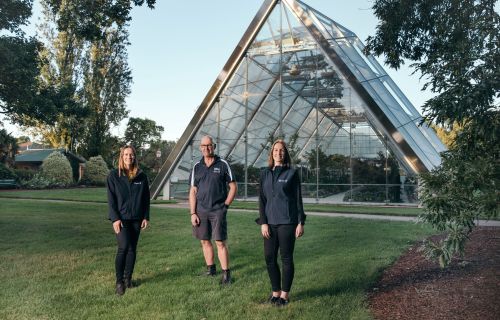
(282,239)
(127,240)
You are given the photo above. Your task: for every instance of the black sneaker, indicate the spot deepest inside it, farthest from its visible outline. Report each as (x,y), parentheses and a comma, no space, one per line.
(120,288)
(226,277)
(128,283)
(211,271)
(282,302)
(273,300)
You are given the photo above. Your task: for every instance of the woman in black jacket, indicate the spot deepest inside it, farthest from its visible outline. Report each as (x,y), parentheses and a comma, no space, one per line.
(282,219)
(128,202)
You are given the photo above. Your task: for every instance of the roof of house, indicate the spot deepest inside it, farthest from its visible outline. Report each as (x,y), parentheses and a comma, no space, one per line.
(40,155)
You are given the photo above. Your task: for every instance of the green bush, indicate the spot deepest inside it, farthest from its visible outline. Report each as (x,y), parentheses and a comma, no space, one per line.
(38,181)
(25,174)
(96,172)
(6,173)
(57,170)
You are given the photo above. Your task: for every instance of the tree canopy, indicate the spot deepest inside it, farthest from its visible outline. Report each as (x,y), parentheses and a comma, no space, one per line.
(20,96)
(455,46)
(142,132)
(29,98)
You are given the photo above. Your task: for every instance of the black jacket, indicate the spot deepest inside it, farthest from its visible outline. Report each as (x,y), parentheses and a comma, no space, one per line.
(128,200)
(280,197)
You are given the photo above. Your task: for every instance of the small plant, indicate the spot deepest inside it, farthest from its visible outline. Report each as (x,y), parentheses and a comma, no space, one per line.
(96,172)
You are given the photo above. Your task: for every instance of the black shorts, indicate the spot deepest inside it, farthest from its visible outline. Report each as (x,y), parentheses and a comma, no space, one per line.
(212,224)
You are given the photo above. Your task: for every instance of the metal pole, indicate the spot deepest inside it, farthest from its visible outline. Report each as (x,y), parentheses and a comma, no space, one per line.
(246,94)
(218,122)
(351,173)
(280,93)
(317,133)
(386,171)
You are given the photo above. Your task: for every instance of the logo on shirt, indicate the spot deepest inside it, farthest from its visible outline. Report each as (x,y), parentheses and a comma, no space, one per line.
(137,182)
(283,180)
(216,170)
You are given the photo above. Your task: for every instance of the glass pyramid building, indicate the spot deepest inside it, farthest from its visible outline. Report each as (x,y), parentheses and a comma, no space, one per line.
(298,75)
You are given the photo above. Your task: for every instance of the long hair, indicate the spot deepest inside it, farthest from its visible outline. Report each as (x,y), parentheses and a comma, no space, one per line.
(286,161)
(132,172)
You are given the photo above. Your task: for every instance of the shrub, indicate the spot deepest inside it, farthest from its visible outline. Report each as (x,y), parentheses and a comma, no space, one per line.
(38,181)
(25,174)
(57,170)
(6,172)
(96,172)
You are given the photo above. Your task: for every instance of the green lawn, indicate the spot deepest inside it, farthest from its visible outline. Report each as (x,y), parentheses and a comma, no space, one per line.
(72,194)
(99,195)
(56,262)
(380,210)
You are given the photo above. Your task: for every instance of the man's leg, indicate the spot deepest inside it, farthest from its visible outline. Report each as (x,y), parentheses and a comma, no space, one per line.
(223,254)
(208,251)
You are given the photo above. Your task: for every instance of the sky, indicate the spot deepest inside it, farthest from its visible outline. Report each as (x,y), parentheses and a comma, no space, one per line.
(178,49)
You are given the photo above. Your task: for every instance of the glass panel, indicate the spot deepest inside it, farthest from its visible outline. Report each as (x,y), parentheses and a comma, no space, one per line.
(286,86)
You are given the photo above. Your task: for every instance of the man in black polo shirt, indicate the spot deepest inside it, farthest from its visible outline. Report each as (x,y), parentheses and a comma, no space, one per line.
(209,200)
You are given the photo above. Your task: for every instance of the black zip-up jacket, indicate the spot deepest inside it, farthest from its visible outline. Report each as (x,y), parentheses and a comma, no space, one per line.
(128,200)
(280,197)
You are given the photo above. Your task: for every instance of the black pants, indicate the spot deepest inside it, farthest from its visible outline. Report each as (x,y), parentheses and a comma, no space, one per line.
(127,246)
(282,238)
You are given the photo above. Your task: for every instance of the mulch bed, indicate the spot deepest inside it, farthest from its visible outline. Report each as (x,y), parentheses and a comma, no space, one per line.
(415,288)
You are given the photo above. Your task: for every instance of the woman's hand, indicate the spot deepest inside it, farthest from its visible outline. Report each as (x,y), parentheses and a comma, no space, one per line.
(195,220)
(117,225)
(264,229)
(144,224)
(299,231)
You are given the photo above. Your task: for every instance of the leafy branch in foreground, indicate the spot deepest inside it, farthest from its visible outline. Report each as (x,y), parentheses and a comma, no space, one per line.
(455,46)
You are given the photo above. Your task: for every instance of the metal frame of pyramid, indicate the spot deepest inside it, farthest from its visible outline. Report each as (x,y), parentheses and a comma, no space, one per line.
(388,112)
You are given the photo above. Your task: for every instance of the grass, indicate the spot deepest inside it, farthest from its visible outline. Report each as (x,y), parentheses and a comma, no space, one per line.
(380,210)
(99,195)
(70,194)
(56,262)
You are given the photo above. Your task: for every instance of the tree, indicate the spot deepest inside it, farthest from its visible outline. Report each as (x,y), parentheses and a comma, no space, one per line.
(8,147)
(90,19)
(455,46)
(107,81)
(86,60)
(142,132)
(20,97)
(447,134)
(51,103)
(150,156)
(61,60)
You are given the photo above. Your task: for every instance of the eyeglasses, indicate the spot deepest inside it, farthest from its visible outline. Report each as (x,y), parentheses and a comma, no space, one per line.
(206,145)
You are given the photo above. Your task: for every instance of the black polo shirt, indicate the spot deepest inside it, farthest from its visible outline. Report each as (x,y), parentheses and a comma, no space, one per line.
(211,183)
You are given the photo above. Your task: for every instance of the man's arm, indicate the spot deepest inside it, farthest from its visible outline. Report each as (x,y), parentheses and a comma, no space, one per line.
(233,188)
(195,220)
(192,199)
